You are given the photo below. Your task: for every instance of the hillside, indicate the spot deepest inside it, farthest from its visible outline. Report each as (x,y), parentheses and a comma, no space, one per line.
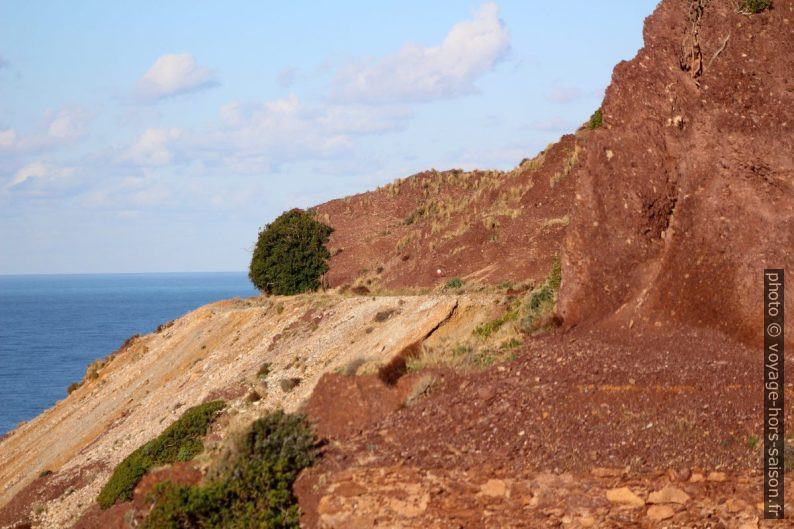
(619,389)
(655,213)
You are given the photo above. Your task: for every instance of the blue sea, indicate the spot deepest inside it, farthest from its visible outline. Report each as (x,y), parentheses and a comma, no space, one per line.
(53,326)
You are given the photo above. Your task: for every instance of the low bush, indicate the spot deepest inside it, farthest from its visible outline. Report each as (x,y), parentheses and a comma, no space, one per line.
(179,442)
(290,255)
(541,302)
(596,120)
(255,492)
(454,283)
(751,7)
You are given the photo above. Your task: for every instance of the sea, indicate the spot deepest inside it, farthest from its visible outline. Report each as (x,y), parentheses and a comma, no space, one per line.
(53,326)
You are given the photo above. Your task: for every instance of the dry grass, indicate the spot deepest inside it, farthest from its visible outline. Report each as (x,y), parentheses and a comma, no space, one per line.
(464,357)
(422,387)
(559,221)
(568,165)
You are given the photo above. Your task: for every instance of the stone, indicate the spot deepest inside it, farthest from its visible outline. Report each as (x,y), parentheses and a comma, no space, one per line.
(658,513)
(717,476)
(495,488)
(734,505)
(410,508)
(586,521)
(679,474)
(601,472)
(625,496)
(486,393)
(696,477)
(668,495)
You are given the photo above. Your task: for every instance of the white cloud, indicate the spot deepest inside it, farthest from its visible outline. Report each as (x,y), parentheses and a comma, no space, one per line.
(38,171)
(68,123)
(62,127)
(418,73)
(259,138)
(152,147)
(174,74)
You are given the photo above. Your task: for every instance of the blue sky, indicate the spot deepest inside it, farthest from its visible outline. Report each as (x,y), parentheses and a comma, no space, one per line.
(159,136)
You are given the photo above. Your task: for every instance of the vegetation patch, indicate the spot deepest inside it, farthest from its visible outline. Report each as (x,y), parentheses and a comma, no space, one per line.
(415,215)
(179,442)
(511,344)
(752,7)
(463,357)
(255,492)
(485,330)
(596,120)
(290,255)
(454,284)
(540,303)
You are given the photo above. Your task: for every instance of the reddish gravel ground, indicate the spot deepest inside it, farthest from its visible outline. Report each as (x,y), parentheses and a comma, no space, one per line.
(652,403)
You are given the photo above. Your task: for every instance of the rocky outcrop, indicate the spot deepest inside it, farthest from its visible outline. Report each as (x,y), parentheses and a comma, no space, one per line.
(687,192)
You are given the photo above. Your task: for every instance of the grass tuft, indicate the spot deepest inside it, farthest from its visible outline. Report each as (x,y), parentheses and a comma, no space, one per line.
(179,442)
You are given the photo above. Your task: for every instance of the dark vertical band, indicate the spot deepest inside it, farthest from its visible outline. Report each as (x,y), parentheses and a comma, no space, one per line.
(774,389)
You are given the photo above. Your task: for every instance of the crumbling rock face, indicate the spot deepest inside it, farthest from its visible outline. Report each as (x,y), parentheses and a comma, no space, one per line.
(686,194)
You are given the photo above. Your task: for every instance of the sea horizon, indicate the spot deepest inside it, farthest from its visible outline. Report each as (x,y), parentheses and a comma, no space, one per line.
(52,326)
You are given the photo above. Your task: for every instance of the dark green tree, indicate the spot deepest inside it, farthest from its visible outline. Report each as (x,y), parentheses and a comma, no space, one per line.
(290,255)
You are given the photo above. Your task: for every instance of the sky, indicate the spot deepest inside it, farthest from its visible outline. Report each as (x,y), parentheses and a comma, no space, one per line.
(155,136)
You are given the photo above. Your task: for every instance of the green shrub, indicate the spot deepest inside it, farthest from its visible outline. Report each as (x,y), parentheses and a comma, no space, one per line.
(754,6)
(454,283)
(541,302)
(179,442)
(290,255)
(255,493)
(596,120)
